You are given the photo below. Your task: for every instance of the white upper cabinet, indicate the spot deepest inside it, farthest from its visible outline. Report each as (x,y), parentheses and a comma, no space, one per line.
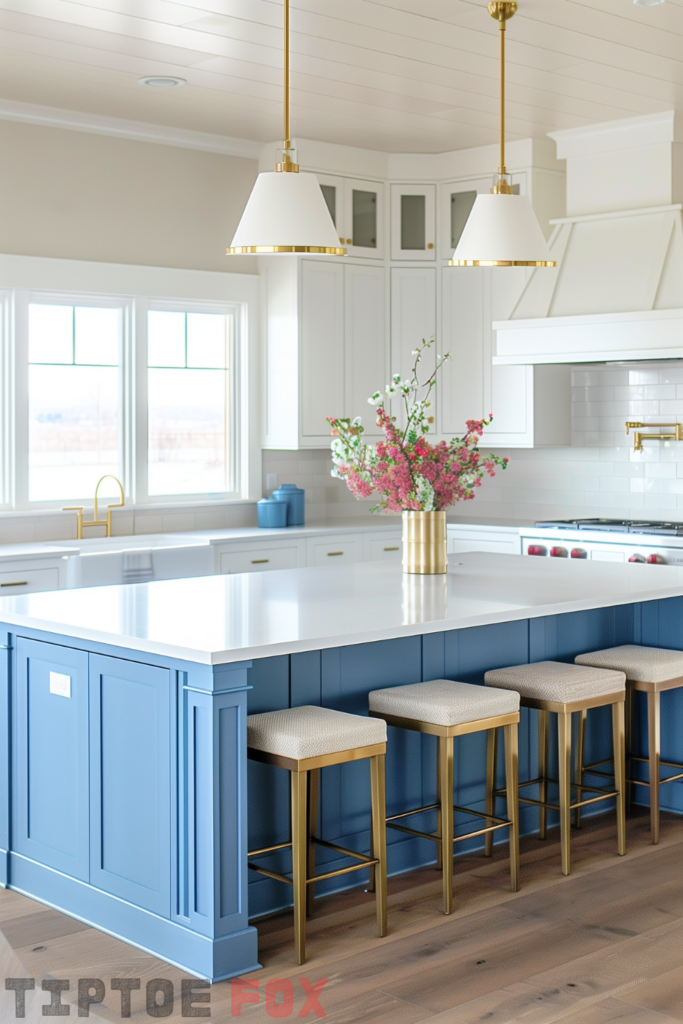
(322,346)
(413,222)
(365,348)
(334,194)
(456,202)
(357,209)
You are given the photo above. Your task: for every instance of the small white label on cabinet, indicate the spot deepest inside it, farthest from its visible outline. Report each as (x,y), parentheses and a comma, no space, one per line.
(60,684)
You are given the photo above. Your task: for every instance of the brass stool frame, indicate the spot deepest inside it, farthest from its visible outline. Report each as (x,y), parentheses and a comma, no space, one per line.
(654,758)
(305,777)
(444,807)
(564,745)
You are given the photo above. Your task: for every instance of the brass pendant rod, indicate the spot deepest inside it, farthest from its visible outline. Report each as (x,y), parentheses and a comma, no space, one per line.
(287,142)
(501,169)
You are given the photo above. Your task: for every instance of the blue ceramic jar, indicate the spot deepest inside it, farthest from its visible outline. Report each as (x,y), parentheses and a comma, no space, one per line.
(295,498)
(271,513)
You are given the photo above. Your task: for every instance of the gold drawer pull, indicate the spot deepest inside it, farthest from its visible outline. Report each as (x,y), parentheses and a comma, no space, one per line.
(331,554)
(19,583)
(259,561)
(392,549)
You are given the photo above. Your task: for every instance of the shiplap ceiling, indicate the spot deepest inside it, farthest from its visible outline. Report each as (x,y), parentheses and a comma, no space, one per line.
(395,75)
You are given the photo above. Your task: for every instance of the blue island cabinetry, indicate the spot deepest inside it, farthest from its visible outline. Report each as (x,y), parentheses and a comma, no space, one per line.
(126,797)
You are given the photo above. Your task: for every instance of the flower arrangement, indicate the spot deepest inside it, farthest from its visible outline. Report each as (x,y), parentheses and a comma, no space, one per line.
(407,471)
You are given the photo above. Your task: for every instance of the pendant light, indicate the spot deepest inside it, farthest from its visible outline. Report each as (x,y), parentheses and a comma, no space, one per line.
(286,211)
(502,229)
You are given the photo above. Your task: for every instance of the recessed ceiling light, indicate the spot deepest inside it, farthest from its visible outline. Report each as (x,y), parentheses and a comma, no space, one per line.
(162,82)
(649,3)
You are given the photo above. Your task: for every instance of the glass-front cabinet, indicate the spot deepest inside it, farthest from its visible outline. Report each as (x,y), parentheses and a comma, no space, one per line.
(356,207)
(413,222)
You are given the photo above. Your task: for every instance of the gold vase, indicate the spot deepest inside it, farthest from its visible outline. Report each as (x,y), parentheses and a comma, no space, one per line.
(424,543)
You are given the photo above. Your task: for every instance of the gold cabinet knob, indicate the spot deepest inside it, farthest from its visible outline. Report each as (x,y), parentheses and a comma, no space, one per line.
(430,245)
(349,241)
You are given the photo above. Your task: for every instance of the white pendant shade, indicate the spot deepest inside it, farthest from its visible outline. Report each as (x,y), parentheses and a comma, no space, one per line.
(502,231)
(286,212)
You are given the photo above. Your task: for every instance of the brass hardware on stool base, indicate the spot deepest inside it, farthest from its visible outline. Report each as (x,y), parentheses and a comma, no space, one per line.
(95,521)
(564,737)
(304,795)
(443,837)
(639,436)
(654,758)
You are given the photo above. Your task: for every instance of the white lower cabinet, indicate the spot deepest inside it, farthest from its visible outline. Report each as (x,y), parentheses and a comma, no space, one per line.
(483,538)
(382,548)
(259,557)
(24,581)
(345,547)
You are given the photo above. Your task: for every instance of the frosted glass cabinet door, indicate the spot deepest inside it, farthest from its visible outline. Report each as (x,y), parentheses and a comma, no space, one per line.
(364,213)
(334,193)
(413,222)
(322,347)
(457,200)
(365,341)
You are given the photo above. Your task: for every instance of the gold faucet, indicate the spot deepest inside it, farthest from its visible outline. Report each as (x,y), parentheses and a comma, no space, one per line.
(638,436)
(95,520)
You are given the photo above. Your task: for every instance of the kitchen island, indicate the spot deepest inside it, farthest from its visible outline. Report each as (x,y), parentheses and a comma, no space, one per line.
(125,799)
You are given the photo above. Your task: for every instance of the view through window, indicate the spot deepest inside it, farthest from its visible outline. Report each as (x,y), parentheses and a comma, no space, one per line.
(74,389)
(188,402)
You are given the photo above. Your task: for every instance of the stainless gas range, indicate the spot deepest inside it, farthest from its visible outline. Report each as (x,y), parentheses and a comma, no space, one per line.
(606,540)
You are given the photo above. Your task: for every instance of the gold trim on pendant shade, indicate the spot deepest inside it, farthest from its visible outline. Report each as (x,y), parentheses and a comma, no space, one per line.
(502,263)
(236,250)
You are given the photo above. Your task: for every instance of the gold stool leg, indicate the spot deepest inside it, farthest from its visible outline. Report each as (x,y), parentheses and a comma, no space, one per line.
(619,754)
(564,757)
(313,790)
(511,782)
(580,757)
(299,844)
(491,759)
(631,698)
(543,723)
(654,730)
(439,822)
(379,839)
(446,775)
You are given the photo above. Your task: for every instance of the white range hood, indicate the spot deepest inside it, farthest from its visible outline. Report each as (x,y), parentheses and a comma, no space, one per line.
(617,290)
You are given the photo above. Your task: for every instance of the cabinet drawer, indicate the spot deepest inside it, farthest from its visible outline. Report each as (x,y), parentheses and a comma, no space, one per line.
(21,581)
(259,560)
(334,552)
(381,548)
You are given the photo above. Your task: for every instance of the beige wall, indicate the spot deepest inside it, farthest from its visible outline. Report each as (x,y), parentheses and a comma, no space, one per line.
(91,197)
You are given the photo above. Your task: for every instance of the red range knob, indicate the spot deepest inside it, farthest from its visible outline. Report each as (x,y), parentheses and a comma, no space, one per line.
(655,560)
(637,558)
(535,549)
(558,552)
(579,553)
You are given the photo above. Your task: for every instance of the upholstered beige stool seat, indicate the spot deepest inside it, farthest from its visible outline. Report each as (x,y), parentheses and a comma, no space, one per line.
(650,670)
(304,740)
(446,709)
(551,686)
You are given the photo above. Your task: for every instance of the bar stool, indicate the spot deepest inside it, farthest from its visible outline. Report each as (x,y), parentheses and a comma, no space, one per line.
(650,670)
(303,740)
(447,709)
(560,688)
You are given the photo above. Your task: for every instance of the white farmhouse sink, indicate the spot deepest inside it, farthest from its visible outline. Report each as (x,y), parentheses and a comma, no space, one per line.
(160,556)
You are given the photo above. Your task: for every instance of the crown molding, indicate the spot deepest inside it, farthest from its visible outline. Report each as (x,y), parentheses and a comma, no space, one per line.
(118,127)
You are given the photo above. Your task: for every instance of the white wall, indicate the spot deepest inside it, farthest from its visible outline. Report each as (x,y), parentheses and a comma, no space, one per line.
(600,475)
(81,196)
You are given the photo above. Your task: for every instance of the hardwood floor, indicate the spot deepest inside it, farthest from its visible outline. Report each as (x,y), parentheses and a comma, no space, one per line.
(603,945)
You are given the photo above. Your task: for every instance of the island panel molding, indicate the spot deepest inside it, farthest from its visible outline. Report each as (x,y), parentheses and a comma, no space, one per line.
(193,901)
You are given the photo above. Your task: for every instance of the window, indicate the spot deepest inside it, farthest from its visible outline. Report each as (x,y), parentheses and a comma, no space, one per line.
(189,407)
(74,429)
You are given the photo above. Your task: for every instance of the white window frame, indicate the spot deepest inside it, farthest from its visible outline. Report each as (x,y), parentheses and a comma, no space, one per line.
(135,290)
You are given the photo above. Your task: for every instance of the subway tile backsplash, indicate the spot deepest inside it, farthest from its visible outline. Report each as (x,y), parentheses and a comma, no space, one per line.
(600,475)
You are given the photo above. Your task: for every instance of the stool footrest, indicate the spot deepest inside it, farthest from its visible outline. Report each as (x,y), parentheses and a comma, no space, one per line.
(579,803)
(341,849)
(588,770)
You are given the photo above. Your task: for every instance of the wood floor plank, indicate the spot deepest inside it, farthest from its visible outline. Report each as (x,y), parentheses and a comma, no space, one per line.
(35,929)
(663,994)
(614,1011)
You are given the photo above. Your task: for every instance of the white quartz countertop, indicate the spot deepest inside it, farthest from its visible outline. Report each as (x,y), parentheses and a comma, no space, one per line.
(214,620)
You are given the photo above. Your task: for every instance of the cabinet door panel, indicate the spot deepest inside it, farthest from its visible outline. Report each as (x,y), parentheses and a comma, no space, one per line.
(364,218)
(130,781)
(365,341)
(322,338)
(413,317)
(466,331)
(413,222)
(50,822)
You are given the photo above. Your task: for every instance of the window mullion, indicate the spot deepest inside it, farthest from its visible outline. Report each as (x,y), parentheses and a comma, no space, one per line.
(20,378)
